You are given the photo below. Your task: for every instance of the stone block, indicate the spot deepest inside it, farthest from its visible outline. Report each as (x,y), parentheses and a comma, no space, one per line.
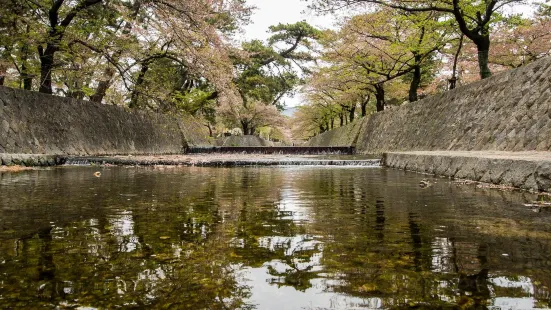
(543,177)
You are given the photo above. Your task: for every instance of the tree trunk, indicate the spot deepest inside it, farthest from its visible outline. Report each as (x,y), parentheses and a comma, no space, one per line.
(352,113)
(483,47)
(416,80)
(380,96)
(341,119)
(453,80)
(103,85)
(2,78)
(26,77)
(136,92)
(101,90)
(46,67)
(364,105)
(332,122)
(245,127)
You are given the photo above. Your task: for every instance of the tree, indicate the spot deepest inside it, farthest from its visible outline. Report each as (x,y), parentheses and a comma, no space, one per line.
(338,98)
(57,26)
(256,114)
(266,73)
(18,27)
(312,119)
(193,40)
(453,79)
(527,41)
(371,53)
(373,49)
(474,18)
(82,48)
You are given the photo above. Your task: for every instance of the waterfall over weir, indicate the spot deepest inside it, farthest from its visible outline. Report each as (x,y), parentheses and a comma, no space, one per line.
(240,156)
(219,161)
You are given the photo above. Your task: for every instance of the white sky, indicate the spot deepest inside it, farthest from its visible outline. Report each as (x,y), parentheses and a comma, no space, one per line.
(273,12)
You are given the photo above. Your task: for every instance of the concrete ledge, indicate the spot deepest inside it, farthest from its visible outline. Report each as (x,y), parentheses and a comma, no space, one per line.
(199,160)
(525,170)
(218,160)
(29,160)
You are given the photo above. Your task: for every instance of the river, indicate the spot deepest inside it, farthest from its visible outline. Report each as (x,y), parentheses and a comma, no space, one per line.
(267,238)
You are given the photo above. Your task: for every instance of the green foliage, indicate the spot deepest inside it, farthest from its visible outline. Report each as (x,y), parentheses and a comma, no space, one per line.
(473,18)
(370,53)
(543,9)
(266,73)
(107,43)
(297,33)
(196,102)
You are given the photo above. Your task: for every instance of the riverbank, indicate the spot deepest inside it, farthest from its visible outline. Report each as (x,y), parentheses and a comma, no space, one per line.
(525,170)
(509,111)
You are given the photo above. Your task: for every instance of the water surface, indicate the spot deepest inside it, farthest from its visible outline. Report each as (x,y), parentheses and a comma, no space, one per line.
(267,238)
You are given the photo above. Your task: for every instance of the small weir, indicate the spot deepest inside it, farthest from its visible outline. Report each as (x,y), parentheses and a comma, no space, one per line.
(215,162)
(238,156)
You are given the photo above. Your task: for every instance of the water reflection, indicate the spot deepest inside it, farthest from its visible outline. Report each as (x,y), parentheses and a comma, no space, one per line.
(270,238)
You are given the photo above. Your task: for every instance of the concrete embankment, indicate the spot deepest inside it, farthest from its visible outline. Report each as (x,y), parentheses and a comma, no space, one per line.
(30,160)
(35,123)
(342,136)
(38,124)
(243,141)
(525,170)
(509,112)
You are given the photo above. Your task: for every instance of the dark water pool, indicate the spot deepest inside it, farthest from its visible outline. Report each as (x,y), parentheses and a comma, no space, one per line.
(266,238)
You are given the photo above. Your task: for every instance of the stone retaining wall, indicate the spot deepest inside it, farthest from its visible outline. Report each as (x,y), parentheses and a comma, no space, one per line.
(243,141)
(510,111)
(342,136)
(34,123)
(30,160)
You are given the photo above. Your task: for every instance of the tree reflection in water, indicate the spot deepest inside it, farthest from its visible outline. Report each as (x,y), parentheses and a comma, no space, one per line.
(200,238)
